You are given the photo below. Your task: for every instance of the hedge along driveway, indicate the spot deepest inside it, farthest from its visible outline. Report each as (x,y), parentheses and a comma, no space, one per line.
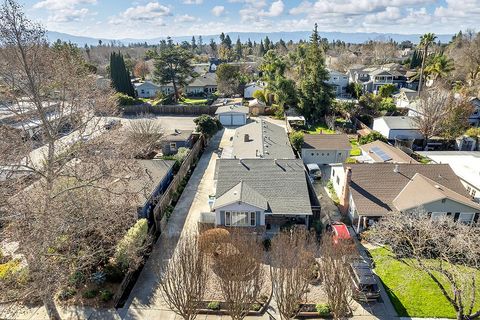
(412,292)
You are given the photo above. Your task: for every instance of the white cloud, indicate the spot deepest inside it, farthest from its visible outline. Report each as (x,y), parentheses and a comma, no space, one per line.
(193,1)
(217,11)
(151,12)
(276,9)
(390,14)
(61,4)
(185,18)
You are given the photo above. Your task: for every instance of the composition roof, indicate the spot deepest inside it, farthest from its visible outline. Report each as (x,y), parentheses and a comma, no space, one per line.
(281,182)
(326,142)
(400,122)
(374,186)
(261,139)
(396,155)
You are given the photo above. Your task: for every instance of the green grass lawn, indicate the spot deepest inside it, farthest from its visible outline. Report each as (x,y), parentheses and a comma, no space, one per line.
(356,151)
(411,291)
(194,101)
(319,128)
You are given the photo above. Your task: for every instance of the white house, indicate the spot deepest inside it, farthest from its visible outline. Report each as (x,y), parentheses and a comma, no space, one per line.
(465,164)
(262,193)
(404,98)
(232,115)
(251,88)
(146,89)
(325,148)
(368,192)
(206,83)
(397,127)
(339,81)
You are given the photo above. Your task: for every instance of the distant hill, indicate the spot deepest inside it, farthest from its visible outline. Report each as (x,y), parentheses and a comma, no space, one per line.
(351,37)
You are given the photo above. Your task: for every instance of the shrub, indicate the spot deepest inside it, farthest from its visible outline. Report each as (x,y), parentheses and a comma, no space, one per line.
(181,154)
(214,305)
(66,294)
(296,139)
(126,100)
(255,307)
(9,268)
(372,136)
(99,277)
(113,273)
(323,309)
(317,225)
(130,247)
(333,194)
(207,125)
(106,295)
(267,243)
(76,279)
(168,211)
(90,294)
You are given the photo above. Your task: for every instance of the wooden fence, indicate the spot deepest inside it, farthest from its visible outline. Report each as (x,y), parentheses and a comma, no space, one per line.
(170,109)
(166,199)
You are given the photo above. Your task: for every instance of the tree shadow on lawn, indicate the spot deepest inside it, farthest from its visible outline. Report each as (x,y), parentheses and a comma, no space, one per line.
(397,304)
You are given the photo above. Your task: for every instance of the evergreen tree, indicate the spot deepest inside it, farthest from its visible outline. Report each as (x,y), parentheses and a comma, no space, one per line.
(228,42)
(261,49)
(213,47)
(120,76)
(315,94)
(200,44)
(222,38)
(238,49)
(267,44)
(193,45)
(249,43)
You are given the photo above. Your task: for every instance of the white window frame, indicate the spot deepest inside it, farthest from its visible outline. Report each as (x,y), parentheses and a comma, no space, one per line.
(233,216)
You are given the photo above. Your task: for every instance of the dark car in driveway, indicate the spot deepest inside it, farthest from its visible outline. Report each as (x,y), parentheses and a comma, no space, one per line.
(364,284)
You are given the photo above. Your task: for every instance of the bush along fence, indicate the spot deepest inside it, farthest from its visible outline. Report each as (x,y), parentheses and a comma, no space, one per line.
(169,109)
(161,214)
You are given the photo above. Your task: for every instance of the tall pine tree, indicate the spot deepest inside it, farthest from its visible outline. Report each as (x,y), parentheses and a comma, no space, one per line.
(315,94)
(119,75)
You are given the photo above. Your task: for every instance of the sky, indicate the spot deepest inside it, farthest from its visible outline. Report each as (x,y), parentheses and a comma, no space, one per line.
(144,19)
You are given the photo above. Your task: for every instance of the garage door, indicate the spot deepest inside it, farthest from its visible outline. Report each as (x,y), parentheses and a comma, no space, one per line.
(226,119)
(237,120)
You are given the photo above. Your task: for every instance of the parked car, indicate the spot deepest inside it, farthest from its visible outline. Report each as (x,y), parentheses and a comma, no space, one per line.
(314,171)
(364,285)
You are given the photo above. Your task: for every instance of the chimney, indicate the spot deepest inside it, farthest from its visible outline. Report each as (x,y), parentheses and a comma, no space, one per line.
(246,137)
(396,168)
(346,191)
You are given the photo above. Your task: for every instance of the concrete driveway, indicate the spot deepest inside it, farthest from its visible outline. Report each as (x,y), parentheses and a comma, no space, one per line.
(146,301)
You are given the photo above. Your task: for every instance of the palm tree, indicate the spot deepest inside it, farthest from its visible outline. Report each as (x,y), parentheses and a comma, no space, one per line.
(425,41)
(439,67)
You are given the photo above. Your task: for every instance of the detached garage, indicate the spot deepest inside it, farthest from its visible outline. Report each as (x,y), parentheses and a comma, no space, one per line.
(232,115)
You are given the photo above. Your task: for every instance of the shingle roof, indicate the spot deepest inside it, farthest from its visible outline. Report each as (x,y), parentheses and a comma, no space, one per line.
(374,186)
(178,135)
(281,182)
(265,140)
(326,142)
(242,192)
(208,79)
(396,155)
(232,109)
(422,190)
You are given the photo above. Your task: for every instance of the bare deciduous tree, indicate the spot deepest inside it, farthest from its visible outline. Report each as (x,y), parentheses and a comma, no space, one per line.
(75,210)
(183,279)
(145,136)
(446,250)
(336,277)
(292,268)
(241,273)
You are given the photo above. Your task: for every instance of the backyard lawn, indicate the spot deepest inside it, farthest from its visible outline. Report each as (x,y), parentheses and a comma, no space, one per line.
(412,292)
(194,101)
(356,151)
(319,128)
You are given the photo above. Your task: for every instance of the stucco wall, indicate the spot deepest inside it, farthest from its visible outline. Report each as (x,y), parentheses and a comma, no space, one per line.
(324,156)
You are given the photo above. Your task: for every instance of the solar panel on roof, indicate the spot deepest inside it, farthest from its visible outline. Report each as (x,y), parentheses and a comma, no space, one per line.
(381,154)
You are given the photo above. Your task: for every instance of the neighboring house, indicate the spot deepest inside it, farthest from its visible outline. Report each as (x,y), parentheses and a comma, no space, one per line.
(465,164)
(261,193)
(379,151)
(251,88)
(474,119)
(146,89)
(368,192)
(206,83)
(232,115)
(405,97)
(325,148)
(160,173)
(397,127)
(176,140)
(261,139)
(372,78)
(339,82)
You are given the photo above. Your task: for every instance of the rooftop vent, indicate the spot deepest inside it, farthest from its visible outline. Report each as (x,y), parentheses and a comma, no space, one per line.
(396,169)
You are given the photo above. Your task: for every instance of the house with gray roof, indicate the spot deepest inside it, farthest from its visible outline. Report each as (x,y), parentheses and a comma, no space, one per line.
(369,192)
(203,84)
(373,77)
(261,139)
(398,127)
(261,193)
(325,148)
(232,114)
